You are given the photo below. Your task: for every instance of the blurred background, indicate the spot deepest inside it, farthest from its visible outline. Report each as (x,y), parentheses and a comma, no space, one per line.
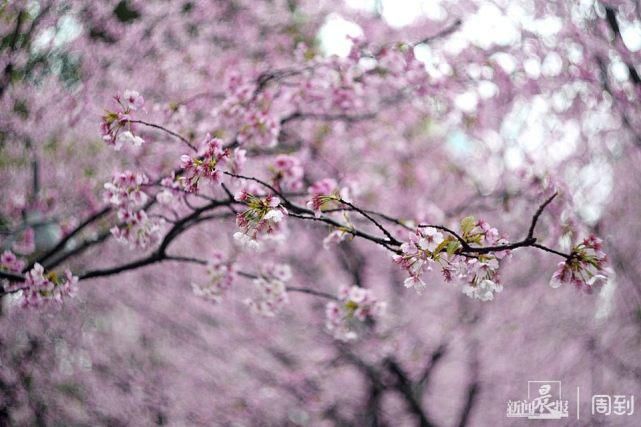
(523,96)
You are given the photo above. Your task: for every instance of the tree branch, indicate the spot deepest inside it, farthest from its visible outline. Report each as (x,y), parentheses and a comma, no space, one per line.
(63,242)
(391,239)
(528,241)
(537,214)
(164,129)
(404,386)
(454,26)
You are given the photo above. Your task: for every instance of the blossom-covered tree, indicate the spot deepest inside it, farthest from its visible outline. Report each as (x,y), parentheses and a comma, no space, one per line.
(293,212)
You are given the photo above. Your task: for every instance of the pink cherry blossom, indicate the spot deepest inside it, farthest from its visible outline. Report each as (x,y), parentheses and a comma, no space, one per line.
(448,159)
(208,164)
(354,305)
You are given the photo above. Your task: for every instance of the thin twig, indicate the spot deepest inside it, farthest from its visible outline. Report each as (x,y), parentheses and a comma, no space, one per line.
(164,129)
(392,240)
(535,218)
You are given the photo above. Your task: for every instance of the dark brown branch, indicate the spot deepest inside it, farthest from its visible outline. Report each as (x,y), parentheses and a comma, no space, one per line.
(160,254)
(454,26)
(12,277)
(552,251)
(347,229)
(274,75)
(433,361)
(304,213)
(63,242)
(57,260)
(311,292)
(179,226)
(168,131)
(404,386)
(299,115)
(461,240)
(537,214)
(528,241)
(471,395)
(186,259)
(258,181)
(151,259)
(611,18)
(472,392)
(392,240)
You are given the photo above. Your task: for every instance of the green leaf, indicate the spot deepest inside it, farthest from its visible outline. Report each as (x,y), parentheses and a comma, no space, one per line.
(440,247)
(453,246)
(467,224)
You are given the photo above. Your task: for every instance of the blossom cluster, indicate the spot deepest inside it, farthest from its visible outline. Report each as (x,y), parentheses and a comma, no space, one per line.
(136,228)
(367,75)
(211,157)
(271,291)
(402,68)
(220,278)
(250,111)
(417,254)
(260,127)
(10,262)
(125,190)
(325,194)
(585,268)
(355,305)
(478,274)
(331,84)
(262,218)
(480,277)
(116,127)
(40,288)
(287,173)
(171,190)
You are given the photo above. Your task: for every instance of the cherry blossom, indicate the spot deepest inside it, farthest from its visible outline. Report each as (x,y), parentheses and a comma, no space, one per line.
(288,173)
(134,101)
(250,113)
(117,127)
(263,217)
(212,156)
(10,262)
(220,278)
(478,274)
(125,190)
(355,305)
(136,228)
(585,268)
(40,288)
(271,291)
(378,132)
(324,194)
